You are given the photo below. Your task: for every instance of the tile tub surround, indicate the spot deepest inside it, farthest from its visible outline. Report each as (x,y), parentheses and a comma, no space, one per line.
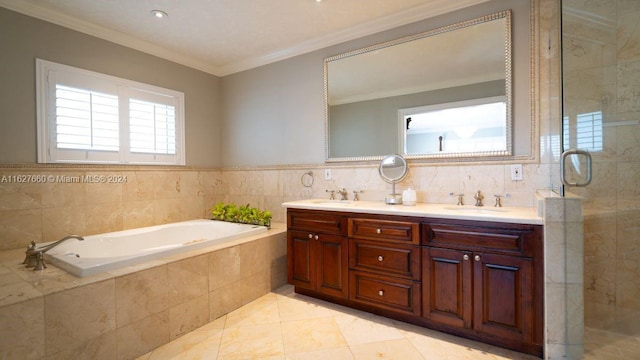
(157,195)
(126,313)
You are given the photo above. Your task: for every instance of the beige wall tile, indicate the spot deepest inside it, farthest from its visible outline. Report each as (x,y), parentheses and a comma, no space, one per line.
(61,193)
(16,195)
(109,191)
(628,284)
(102,218)
(254,257)
(224,267)
(102,347)
(142,336)
(188,279)
(141,295)
(23,330)
(188,316)
(75,316)
(140,185)
(19,228)
(225,299)
(137,214)
(61,221)
(254,286)
(167,211)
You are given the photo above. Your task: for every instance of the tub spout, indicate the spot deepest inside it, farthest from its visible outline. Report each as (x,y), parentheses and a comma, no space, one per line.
(35,255)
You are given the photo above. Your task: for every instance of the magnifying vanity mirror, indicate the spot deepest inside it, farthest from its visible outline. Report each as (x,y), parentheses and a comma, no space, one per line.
(393,168)
(444,93)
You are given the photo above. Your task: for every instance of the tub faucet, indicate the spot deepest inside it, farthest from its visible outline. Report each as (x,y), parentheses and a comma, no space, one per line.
(35,255)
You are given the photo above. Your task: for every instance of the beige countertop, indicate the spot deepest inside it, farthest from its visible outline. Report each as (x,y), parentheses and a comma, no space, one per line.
(519,215)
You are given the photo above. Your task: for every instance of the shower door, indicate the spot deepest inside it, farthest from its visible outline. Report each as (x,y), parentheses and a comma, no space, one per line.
(601,115)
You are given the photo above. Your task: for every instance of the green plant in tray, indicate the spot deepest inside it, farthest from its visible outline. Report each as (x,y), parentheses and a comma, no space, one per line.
(241,214)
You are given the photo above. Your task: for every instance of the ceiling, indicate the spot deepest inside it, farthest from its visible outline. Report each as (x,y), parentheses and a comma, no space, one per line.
(222,37)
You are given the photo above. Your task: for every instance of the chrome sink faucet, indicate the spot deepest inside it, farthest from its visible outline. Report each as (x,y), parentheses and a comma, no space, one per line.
(478,196)
(35,255)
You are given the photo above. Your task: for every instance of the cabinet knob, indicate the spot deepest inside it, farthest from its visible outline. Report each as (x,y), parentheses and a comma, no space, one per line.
(316,237)
(380,258)
(310,236)
(477,257)
(381,292)
(465,257)
(378,231)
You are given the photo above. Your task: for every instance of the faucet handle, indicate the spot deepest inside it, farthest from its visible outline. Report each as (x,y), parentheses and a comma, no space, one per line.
(498,201)
(460,202)
(356,197)
(332,194)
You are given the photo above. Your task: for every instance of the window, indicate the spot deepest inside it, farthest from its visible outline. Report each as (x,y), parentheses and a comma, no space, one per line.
(88,117)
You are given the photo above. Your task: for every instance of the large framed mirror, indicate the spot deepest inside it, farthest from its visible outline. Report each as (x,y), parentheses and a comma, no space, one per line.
(442,94)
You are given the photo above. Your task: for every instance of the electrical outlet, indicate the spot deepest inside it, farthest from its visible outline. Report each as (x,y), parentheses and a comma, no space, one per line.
(327,174)
(516,172)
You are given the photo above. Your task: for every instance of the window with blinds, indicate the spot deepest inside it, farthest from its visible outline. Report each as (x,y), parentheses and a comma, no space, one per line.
(87,117)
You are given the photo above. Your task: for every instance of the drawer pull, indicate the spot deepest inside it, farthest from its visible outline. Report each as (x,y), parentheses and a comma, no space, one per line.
(381,292)
(380,258)
(465,257)
(477,258)
(378,231)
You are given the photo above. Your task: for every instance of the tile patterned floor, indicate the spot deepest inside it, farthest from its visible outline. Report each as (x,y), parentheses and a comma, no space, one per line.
(285,325)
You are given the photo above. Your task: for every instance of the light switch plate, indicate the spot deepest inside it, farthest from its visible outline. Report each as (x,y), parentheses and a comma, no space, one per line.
(327,174)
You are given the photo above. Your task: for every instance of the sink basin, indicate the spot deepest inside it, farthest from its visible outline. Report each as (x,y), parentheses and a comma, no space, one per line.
(334,202)
(476,210)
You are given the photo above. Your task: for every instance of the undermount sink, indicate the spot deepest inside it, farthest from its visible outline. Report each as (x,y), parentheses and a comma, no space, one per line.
(474,209)
(334,202)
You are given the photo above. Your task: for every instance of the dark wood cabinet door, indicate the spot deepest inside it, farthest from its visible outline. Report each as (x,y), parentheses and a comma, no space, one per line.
(332,261)
(504,296)
(447,294)
(301,259)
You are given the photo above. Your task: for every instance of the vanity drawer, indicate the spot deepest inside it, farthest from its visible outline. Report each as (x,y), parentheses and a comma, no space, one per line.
(385,258)
(387,230)
(317,222)
(513,239)
(395,294)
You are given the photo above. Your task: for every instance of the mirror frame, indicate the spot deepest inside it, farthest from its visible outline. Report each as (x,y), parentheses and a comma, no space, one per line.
(458,157)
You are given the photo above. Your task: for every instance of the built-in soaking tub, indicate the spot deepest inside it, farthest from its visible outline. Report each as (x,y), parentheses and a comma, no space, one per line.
(110,251)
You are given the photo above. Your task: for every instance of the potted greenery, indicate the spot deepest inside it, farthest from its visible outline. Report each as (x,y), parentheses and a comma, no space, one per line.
(241,214)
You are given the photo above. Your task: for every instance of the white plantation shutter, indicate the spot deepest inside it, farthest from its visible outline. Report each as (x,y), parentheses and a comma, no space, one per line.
(86,117)
(86,120)
(152,127)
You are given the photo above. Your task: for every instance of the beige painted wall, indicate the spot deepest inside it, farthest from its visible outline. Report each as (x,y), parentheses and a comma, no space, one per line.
(23,39)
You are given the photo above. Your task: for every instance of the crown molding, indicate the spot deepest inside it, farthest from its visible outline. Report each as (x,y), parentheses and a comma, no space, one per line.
(103,33)
(405,17)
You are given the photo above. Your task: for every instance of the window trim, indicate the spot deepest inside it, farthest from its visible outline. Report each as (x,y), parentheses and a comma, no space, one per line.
(47,151)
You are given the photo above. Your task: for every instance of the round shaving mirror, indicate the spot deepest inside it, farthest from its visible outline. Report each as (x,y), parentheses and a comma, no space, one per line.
(393,168)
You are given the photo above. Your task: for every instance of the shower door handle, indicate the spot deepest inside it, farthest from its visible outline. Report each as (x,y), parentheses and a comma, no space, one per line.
(563,175)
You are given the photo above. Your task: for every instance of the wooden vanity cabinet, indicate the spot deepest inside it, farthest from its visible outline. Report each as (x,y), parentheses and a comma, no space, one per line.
(384,264)
(484,280)
(479,280)
(317,252)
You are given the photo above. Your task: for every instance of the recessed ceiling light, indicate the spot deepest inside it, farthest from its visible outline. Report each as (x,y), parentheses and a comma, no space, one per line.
(159,14)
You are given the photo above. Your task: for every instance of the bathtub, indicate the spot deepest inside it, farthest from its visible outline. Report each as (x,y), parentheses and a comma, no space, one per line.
(110,251)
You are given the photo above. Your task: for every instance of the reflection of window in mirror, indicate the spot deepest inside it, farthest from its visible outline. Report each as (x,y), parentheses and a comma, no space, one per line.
(457,127)
(584,131)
